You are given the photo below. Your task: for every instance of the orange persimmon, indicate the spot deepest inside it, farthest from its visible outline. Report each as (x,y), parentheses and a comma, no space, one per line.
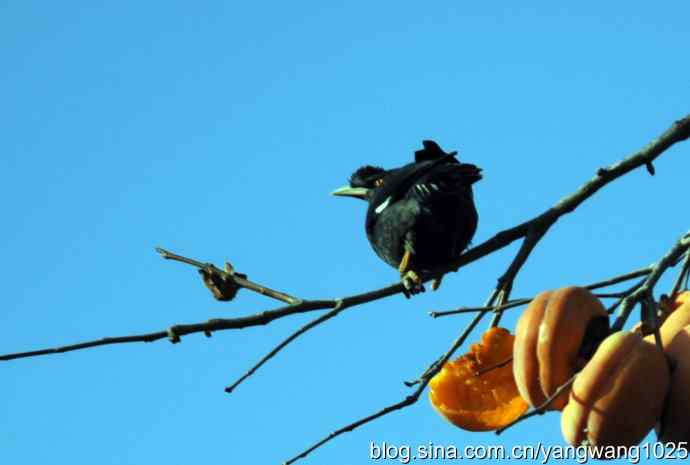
(550,341)
(678,319)
(474,399)
(618,396)
(675,337)
(675,420)
(675,317)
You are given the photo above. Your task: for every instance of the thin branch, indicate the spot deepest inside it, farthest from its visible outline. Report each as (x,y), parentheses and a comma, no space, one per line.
(150,337)
(407,401)
(682,276)
(230,278)
(643,294)
(540,410)
(507,305)
(531,231)
(326,316)
(626,293)
(518,302)
(534,228)
(611,295)
(219,324)
(494,367)
(620,279)
(490,303)
(435,367)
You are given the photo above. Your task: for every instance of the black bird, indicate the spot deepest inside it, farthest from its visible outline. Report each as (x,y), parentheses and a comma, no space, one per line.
(421,216)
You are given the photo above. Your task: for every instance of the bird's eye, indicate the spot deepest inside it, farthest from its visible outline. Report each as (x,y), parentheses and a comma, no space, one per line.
(378,182)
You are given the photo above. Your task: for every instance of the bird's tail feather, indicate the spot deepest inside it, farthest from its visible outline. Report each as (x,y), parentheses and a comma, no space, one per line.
(469,173)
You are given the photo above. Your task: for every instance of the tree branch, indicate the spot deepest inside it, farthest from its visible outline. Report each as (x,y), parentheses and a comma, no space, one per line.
(407,401)
(540,410)
(682,276)
(492,308)
(652,274)
(326,316)
(224,284)
(643,294)
(533,229)
(520,302)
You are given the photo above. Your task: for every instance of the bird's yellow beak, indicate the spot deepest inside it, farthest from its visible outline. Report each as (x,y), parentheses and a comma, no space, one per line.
(348,191)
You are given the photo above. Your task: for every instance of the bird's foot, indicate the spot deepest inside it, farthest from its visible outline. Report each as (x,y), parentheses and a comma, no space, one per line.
(412,283)
(405,262)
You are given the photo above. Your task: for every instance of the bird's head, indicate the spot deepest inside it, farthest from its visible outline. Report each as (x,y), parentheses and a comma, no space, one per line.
(363,183)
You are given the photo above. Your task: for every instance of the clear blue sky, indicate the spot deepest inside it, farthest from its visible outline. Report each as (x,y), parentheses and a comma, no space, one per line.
(218,129)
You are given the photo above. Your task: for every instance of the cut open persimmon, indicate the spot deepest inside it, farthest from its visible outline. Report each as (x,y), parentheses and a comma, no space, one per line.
(477,391)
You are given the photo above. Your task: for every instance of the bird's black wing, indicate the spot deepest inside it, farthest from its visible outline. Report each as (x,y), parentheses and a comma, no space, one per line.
(400,183)
(446,179)
(411,174)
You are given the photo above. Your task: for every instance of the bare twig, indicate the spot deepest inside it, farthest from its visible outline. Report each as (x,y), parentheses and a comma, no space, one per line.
(620,279)
(220,324)
(530,231)
(540,410)
(612,308)
(643,294)
(611,295)
(407,401)
(494,367)
(507,305)
(326,316)
(518,302)
(534,229)
(682,276)
(490,303)
(230,277)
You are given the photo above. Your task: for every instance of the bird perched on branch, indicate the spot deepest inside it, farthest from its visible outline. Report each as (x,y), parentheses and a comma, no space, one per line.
(421,216)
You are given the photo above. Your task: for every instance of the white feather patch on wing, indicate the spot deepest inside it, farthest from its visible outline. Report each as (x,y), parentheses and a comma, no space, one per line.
(383,206)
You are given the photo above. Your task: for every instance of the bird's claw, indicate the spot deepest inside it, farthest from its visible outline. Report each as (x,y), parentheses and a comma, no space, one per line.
(412,283)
